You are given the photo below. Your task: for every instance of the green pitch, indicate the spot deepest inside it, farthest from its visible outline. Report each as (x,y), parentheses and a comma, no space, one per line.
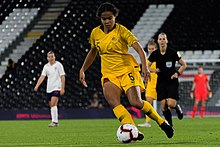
(101,132)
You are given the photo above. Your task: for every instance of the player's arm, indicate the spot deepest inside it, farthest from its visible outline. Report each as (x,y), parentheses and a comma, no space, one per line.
(39,82)
(180,70)
(62,77)
(62,85)
(209,89)
(87,63)
(138,48)
(208,86)
(182,66)
(192,90)
(152,69)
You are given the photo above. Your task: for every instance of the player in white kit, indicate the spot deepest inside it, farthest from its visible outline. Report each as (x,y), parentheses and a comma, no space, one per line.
(55,84)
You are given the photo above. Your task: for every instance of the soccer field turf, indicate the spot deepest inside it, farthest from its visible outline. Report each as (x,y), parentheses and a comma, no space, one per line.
(102,132)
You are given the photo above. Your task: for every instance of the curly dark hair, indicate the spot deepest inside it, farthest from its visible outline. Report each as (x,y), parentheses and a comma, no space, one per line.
(107,7)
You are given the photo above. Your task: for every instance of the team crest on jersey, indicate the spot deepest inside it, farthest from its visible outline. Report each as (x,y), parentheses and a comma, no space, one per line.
(114,38)
(169,64)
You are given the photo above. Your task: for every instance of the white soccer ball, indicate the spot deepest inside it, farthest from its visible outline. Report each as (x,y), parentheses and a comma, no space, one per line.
(127,133)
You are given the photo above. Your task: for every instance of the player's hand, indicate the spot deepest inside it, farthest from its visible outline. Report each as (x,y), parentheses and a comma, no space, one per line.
(35,88)
(191,95)
(145,73)
(82,78)
(157,70)
(174,76)
(62,91)
(210,94)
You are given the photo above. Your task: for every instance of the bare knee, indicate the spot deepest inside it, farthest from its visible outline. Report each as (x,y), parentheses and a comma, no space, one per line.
(171,103)
(163,104)
(137,104)
(134,97)
(53,102)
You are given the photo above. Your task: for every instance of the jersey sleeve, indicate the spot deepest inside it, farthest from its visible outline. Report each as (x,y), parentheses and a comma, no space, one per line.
(61,70)
(178,56)
(44,73)
(127,35)
(195,79)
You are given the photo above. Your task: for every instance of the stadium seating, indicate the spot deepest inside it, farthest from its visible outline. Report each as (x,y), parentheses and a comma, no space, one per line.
(193,25)
(68,38)
(14,25)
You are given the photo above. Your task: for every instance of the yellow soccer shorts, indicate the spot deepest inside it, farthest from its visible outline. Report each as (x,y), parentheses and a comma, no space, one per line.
(125,81)
(151,92)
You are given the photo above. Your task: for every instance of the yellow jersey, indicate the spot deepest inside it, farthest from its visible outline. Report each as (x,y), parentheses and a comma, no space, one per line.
(113,50)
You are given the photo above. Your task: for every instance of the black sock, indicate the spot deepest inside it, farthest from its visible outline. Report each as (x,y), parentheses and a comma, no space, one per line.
(168,116)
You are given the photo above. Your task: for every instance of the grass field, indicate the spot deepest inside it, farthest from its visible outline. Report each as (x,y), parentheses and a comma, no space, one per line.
(101,132)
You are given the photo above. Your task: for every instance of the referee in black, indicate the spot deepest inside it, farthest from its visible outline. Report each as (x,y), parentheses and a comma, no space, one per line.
(167,80)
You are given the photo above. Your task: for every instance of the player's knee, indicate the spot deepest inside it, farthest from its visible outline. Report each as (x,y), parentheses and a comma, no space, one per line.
(137,104)
(171,103)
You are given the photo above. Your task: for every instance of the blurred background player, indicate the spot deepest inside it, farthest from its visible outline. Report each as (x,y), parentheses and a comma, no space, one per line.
(150,93)
(120,70)
(55,85)
(201,90)
(167,80)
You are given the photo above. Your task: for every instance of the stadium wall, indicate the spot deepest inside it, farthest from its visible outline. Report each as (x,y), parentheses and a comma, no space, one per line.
(77,113)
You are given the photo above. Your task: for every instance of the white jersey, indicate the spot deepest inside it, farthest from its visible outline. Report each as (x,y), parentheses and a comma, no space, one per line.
(53,73)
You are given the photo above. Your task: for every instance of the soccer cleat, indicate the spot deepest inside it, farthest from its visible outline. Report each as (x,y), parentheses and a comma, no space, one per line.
(179,112)
(53,124)
(146,124)
(140,136)
(165,126)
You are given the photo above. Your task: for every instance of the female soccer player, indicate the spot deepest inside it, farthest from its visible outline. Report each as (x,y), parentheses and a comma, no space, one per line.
(120,70)
(55,85)
(151,93)
(167,80)
(201,89)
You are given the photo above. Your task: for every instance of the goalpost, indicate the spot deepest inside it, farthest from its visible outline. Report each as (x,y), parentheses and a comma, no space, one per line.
(211,68)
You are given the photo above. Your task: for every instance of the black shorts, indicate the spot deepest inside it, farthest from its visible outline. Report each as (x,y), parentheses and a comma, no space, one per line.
(167,89)
(55,93)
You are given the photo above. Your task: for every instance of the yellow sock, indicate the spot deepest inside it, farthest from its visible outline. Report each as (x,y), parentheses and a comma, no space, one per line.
(147,118)
(123,115)
(150,111)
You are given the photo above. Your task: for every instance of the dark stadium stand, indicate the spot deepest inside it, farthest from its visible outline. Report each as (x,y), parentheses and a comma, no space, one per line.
(6,6)
(68,38)
(193,25)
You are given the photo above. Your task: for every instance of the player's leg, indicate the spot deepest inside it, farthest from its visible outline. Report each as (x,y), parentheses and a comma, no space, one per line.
(166,111)
(55,95)
(195,108)
(173,96)
(162,94)
(112,95)
(133,94)
(147,121)
(54,111)
(173,104)
(203,108)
